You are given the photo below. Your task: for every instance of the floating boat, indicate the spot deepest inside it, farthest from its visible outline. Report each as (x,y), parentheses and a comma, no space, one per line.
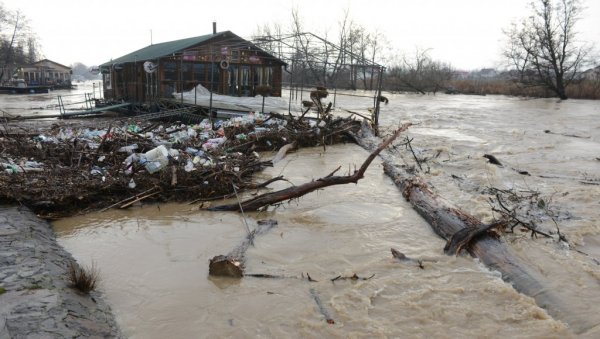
(19,86)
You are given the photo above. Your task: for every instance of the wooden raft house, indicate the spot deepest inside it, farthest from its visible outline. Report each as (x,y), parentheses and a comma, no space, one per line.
(222,62)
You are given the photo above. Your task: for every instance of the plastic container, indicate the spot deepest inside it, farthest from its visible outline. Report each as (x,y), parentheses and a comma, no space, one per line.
(156,159)
(153,166)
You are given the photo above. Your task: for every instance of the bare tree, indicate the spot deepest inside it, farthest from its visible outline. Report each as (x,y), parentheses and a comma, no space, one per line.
(376,42)
(18,45)
(419,73)
(270,38)
(438,74)
(8,47)
(314,60)
(543,47)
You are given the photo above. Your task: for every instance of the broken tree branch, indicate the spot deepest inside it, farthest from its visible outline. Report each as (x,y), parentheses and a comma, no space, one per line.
(283,151)
(232,264)
(321,307)
(298,191)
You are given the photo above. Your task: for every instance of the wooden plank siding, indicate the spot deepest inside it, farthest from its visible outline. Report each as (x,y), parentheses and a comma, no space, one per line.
(238,67)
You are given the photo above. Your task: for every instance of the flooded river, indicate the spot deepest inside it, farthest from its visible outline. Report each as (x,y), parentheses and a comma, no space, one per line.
(153,259)
(47,104)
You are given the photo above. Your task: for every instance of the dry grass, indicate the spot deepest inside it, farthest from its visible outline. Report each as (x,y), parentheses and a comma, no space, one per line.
(83,279)
(585,89)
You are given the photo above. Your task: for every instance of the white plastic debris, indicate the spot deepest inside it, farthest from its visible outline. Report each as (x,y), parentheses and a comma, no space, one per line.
(189,166)
(128,149)
(156,159)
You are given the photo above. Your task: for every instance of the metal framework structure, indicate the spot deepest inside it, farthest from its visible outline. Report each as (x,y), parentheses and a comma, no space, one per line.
(314,61)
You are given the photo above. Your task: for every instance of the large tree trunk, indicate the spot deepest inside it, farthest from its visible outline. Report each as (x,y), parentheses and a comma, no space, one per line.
(446,220)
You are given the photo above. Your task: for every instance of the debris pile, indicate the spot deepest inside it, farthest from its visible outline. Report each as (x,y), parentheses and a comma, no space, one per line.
(65,169)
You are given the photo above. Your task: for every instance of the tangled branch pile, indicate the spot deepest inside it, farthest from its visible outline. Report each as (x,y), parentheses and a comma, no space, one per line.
(66,170)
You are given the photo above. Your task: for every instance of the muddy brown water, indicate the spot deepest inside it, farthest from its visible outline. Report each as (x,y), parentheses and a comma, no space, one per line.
(154,258)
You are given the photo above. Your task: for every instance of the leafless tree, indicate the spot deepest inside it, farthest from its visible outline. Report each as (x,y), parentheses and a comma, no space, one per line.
(543,48)
(419,73)
(315,60)
(18,45)
(270,35)
(376,42)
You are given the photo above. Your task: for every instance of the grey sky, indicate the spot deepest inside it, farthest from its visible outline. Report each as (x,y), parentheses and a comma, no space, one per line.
(465,33)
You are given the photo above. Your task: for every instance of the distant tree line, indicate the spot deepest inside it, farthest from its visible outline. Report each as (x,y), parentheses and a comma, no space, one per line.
(544,59)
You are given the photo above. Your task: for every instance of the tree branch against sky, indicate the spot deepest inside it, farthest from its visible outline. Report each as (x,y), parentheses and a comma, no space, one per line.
(464,33)
(18,44)
(544,49)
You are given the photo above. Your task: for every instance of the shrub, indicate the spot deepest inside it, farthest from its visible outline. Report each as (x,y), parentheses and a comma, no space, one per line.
(82,278)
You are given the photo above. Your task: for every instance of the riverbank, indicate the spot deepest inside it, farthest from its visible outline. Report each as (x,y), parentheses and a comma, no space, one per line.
(35,300)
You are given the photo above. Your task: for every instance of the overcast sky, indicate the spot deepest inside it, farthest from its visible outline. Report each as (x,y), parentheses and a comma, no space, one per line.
(465,33)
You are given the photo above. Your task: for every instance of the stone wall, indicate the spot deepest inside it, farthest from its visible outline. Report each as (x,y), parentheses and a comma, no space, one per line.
(35,300)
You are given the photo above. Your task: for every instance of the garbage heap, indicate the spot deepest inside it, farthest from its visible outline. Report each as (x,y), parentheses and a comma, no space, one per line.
(66,170)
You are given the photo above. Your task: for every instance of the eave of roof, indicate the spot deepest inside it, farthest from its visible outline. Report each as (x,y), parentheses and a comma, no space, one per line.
(48,60)
(162,49)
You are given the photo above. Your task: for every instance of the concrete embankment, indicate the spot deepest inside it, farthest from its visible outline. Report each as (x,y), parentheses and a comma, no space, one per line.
(35,300)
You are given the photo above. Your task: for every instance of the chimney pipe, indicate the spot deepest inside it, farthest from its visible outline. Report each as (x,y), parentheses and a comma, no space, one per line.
(214,27)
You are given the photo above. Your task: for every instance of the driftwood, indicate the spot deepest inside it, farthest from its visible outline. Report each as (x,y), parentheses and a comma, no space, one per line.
(464,237)
(493,160)
(298,191)
(232,264)
(402,257)
(446,220)
(283,151)
(321,307)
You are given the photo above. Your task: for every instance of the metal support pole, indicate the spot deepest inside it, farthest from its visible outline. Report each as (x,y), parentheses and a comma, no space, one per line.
(377,101)
(212,79)
(291,89)
(181,76)
(334,95)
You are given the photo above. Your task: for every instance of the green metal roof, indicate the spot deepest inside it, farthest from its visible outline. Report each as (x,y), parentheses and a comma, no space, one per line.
(161,49)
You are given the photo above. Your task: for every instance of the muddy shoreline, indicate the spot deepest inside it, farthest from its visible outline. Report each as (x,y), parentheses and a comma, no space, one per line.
(35,300)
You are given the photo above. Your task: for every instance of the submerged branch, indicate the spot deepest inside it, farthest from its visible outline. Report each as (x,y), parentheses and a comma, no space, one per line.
(298,191)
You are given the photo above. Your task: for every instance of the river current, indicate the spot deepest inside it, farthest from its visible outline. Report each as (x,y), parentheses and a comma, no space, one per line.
(153,259)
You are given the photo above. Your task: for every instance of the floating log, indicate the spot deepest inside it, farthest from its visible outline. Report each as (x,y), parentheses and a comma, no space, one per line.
(232,264)
(298,191)
(493,160)
(446,220)
(283,151)
(402,257)
(321,307)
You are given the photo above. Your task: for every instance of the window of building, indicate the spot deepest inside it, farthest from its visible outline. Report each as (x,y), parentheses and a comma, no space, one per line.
(199,72)
(170,70)
(268,76)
